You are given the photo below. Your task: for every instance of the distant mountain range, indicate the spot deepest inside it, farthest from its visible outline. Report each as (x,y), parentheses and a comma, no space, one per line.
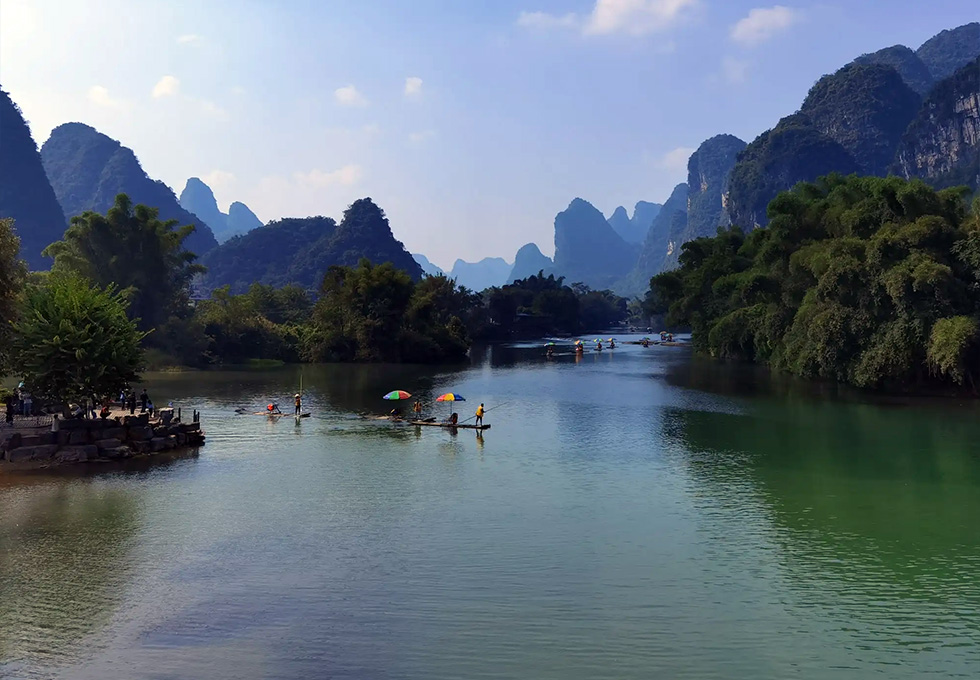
(915,113)
(477,276)
(198,198)
(87,169)
(428,268)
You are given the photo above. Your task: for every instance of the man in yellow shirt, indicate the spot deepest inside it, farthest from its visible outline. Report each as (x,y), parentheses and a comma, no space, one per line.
(479,415)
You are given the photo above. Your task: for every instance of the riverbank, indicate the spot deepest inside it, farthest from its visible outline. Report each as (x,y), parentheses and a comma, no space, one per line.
(67,442)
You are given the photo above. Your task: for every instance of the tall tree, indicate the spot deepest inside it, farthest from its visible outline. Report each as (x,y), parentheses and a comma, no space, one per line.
(131,248)
(74,339)
(12,271)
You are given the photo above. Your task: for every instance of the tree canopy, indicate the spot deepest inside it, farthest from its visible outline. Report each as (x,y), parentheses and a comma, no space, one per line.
(73,340)
(12,272)
(131,248)
(865,280)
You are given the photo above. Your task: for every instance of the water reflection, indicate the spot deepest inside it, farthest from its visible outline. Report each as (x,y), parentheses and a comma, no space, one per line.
(64,563)
(875,512)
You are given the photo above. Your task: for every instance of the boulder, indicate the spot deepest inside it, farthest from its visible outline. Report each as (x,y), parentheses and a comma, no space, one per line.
(77,454)
(140,433)
(117,452)
(181,439)
(76,437)
(63,438)
(171,442)
(25,453)
(104,444)
(158,444)
(114,433)
(30,440)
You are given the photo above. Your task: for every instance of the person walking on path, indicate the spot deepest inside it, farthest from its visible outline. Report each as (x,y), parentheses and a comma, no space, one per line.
(479,415)
(10,410)
(28,402)
(131,402)
(144,397)
(298,402)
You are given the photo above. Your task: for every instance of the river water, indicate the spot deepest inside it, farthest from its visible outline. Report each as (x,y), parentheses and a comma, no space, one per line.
(636,514)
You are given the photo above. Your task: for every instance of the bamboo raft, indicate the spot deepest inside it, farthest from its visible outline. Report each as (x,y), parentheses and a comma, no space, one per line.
(459,426)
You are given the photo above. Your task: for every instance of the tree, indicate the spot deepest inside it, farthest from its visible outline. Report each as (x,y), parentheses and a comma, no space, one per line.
(865,280)
(73,340)
(131,248)
(12,273)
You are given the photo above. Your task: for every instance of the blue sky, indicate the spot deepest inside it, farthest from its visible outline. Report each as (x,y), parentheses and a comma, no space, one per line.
(470,123)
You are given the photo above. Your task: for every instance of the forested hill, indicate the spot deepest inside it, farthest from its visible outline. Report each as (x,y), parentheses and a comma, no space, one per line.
(863,280)
(587,249)
(87,170)
(25,193)
(300,250)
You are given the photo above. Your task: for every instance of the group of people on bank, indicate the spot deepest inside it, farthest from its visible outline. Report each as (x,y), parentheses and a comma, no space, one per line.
(21,403)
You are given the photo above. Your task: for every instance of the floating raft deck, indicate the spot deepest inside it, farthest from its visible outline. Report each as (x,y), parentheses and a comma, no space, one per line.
(448,425)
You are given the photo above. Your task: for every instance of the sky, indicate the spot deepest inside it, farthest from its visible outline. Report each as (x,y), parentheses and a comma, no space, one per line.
(471,123)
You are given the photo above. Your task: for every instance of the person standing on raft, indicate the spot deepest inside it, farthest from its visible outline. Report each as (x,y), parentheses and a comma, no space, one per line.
(417,409)
(479,415)
(298,401)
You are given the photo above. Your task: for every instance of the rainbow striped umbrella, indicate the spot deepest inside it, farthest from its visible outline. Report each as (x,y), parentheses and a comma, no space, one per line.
(397,395)
(451,397)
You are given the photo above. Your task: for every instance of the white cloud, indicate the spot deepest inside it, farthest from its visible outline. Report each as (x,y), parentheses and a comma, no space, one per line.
(413,86)
(675,160)
(543,20)
(635,17)
(318,179)
(762,23)
(219,180)
(349,96)
(632,17)
(238,90)
(421,136)
(212,110)
(189,39)
(734,70)
(371,129)
(99,95)
(166,87)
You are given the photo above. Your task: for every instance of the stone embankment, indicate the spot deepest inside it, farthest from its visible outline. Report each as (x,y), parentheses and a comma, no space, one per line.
(79,441)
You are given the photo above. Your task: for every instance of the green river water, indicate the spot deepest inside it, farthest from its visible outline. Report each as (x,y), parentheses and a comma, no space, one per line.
(639,513)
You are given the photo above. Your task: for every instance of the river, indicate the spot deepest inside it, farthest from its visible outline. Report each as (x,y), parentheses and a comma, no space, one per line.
(639,513)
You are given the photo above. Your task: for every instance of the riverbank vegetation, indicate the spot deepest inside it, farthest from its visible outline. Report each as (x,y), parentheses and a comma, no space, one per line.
(136,263)
(869,281)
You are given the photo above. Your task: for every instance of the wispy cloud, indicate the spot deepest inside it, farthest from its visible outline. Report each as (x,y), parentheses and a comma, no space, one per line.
(219,180)
(212,110)
(99,95)
(348,175)
(675,160)
(762,23)
(543,20)
(167,86)
(189,39)
(413,86)
(630,17)
(734,70)
(349,96)
(421,136)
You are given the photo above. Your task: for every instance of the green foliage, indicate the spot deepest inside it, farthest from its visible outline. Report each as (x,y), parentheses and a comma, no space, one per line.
(73,340)
(863,280)
(378,314)
(951,49)
(12,273)
(87,170)
(300,251)
(131,248)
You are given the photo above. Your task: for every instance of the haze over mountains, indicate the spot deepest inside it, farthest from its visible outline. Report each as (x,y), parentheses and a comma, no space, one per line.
(914,113)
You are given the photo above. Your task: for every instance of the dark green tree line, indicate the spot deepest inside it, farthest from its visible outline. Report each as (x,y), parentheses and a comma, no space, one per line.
(870,281)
